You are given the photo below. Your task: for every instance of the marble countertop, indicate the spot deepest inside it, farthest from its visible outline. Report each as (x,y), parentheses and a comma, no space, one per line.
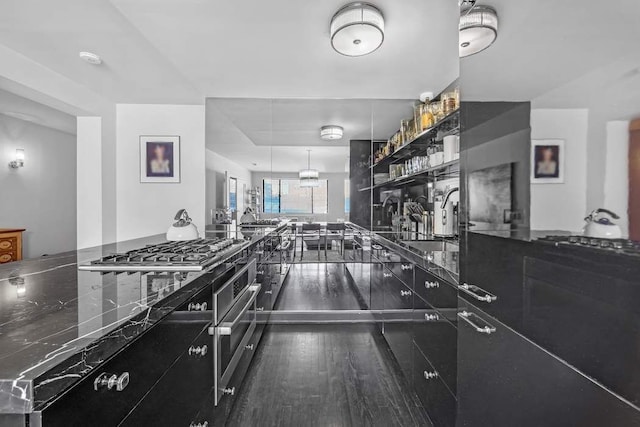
(58,323)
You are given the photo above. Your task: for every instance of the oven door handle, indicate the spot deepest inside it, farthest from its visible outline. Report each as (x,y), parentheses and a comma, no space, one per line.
(226,328)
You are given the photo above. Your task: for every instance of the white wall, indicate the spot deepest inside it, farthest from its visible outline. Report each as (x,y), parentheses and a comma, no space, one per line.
(216,166)
(336,193)
(562,206)
(616,181)
(145,209)
(89,181)
(41,196)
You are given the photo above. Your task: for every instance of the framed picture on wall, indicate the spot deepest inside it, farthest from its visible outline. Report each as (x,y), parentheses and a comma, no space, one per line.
(547,161)
(160,159)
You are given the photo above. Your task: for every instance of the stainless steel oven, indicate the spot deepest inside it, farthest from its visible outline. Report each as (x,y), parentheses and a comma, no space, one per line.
(235,317)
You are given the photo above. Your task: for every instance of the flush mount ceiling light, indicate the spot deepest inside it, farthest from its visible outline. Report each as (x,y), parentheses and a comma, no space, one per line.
(357,29)
(478,30)
(91,58)
(309,177)
(331,132)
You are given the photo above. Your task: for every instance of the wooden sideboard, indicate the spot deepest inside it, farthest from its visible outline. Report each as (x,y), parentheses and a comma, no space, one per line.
(10,244)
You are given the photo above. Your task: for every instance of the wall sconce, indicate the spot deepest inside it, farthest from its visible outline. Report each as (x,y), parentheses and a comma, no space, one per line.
(19,161)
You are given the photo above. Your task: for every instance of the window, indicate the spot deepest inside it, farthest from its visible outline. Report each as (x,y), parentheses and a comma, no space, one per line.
(233,194)
(347,196)
(287,197)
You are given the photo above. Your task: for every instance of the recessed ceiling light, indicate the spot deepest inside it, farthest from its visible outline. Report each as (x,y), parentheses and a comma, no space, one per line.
(357,29)
(331,132)
(478,30)
(91,58)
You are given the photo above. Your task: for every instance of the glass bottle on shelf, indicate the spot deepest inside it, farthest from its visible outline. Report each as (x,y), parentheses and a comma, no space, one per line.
(426,117)
(436,111)
(404,131)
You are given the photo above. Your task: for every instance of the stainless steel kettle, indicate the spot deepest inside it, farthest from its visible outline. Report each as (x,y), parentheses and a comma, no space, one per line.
(182,229)
(602,226)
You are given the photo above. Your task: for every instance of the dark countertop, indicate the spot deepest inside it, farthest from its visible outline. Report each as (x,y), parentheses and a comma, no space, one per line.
(523,234)
(58,323)
(444,264)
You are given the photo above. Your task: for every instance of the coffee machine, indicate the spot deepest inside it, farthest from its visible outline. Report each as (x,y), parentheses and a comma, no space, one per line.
(445,214)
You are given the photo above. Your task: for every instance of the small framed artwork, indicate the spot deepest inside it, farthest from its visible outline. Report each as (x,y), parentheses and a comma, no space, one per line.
(547,161)
(159,159)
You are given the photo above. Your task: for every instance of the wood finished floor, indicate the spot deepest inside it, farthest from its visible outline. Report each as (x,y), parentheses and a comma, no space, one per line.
(325,375)
(318,287)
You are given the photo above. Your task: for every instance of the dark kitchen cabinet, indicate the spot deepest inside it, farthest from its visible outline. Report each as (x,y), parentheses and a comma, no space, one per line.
(398,315)
(177,396)
(138,367)
(433,392)
(506,380)
(570,308)
(495,265)
(437,340)
(438,293)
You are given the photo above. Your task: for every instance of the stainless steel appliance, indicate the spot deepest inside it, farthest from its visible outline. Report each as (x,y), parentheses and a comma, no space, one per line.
(193,255)
(628,247)
(444,219)
(235,321)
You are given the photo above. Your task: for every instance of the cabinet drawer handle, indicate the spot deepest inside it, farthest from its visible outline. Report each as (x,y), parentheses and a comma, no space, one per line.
(259,252)
(466,316)
(202,424)
(111,380)
(198,350)
(197,306)
(260,272)
(405,293)
(386,274)
(249,347)
(268,292)
(475,291)
(431,317)
(230,390)
(430,375)
(259,308)
(406,266)
(431,285)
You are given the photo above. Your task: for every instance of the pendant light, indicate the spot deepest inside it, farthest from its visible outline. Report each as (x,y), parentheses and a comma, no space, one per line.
(478,29)
(309,177)
(357,29)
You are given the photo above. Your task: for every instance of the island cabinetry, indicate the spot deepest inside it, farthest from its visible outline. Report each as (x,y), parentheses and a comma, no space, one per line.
(114,389)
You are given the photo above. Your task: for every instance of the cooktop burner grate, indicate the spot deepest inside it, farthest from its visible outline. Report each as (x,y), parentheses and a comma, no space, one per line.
(193,255)
(625,246)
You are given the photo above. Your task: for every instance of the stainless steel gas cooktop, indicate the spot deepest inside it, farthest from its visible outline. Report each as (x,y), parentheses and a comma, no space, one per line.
(625,246)
(192,255)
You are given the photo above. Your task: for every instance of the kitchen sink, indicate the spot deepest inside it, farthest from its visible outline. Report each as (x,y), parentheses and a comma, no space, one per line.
(432,245)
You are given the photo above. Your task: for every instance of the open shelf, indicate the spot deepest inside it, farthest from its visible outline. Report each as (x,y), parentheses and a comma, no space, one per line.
(414,176)
(419,143)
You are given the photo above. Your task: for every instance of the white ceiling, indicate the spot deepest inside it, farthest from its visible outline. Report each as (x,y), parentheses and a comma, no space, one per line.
(24,109)
(556,53)
(182,51)
(281,48)
(275,133)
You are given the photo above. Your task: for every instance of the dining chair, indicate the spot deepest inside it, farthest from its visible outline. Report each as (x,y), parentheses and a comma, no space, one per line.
(334,231)
(310,233)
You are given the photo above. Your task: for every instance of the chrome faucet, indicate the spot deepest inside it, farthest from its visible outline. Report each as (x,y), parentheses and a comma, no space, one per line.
(388,198)
(446,196)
